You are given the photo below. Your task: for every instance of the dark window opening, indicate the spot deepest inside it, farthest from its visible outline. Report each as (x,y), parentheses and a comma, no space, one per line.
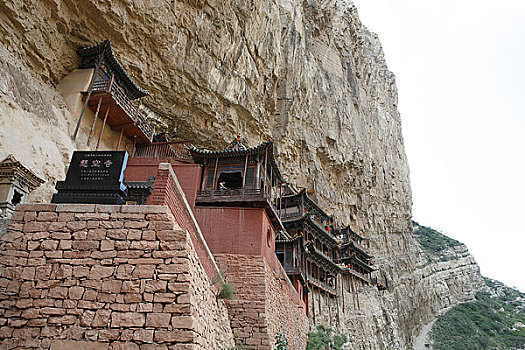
(230,180)
(17,198)
(280,257)
(289,259)
(269,238)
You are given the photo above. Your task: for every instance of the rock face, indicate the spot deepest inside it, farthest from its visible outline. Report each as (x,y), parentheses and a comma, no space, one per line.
(306,74)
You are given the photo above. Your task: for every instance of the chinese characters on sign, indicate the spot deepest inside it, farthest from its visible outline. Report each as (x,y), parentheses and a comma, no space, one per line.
(94,177)
(90,174)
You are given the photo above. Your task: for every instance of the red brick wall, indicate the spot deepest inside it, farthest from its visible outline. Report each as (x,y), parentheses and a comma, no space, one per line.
(119,277)
(188,175)
(238,231)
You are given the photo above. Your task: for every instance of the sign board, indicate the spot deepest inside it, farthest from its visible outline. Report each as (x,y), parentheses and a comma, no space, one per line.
(94,177)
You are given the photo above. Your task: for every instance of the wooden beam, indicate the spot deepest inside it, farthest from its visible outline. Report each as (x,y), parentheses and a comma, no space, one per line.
(214,185)
(244,174)
(103,126)
(122,126)
(94,120)
(134,145)
(120,139)
(204,176)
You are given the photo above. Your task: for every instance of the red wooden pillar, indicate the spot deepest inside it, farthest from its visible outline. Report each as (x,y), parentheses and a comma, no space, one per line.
(120,139)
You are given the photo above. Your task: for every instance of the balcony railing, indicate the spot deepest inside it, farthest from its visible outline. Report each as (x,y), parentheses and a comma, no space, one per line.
(291,215)
(344,257)
(164,150)
(110,86)
(359,275)
(322,285)
(292,270)
(231,193)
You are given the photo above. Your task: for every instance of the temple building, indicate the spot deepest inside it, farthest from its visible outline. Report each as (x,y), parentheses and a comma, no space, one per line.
(352,254)
(238,195)
(237,202)
(308,248)
(106,101)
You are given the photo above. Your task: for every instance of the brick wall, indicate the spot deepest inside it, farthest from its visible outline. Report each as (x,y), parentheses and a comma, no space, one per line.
(243,231)
(264,305)
(188,174)
(105,277)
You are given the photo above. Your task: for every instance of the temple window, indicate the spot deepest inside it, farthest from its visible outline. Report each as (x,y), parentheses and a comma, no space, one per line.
(230,179)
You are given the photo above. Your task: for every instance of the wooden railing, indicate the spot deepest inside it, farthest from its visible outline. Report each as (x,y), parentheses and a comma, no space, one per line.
(240,192)
(164,150)
(291,215)
(110,86)
(359,275)
(316,282)
(355,256)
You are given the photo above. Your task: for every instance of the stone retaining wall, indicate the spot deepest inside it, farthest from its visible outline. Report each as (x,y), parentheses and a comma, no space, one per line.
(105,277)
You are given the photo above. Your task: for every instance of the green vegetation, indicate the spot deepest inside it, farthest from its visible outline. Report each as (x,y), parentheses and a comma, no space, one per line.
(325,339)
(433,242)
(281,342)
(495,320)
(226,290)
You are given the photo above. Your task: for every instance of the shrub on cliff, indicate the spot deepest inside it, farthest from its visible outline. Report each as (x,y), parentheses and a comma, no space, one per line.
(433,242)
(325,338)
(494,320)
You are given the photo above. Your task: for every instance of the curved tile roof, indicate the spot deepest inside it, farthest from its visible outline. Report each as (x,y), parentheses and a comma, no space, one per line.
(199,154)
(304,194)
(89,56)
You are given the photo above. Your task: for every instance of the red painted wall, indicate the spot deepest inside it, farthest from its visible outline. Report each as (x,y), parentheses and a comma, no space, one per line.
(189,175)
(238,231)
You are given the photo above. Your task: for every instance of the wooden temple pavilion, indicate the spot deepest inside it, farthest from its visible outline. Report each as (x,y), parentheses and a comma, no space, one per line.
(351,254)
(113,95)
(309,250)
(240,176)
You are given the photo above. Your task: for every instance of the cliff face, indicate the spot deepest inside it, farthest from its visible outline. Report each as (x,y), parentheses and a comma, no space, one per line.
(306,74)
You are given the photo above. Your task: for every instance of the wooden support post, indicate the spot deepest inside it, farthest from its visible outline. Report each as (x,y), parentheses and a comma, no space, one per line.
(103,126)
(90,89)
(280,199)
(244,175)
(94,120)
(265,178)
(120,139)
(343,291)
(111,80)
(313,307)
(271,184)
(214,185)
(134,145)
(257,177)
(204,176)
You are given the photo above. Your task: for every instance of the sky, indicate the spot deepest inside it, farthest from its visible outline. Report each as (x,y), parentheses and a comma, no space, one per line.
(460,73)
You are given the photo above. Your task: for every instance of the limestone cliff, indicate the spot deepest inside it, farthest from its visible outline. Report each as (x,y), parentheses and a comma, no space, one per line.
(306,74)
